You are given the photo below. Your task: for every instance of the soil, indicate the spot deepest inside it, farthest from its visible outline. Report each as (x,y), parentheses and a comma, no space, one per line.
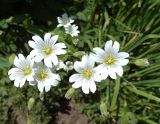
(73,116)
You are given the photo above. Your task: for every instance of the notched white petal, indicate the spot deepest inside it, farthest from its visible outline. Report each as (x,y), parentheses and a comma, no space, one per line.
(77,84)
(40,86)
(37,39)
(74,77)
(47,37)
(123,55)
(108,45)
(48,62)
(116,46)
(32,44)
(92,86)
(85,87)
(54,38)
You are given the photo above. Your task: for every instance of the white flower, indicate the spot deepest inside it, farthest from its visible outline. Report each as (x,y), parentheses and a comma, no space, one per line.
(68,66)
(86,75)
(72,30)
(44,78)
(111,60)
(60,65)
(23,71)
(75,41)
(46,49)
(64,21)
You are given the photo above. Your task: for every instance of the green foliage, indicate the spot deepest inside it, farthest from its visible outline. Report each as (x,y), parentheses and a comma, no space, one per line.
(132,99)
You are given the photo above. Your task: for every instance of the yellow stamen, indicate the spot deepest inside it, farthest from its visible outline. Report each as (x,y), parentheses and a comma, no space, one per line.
(42,75)
(87,73)
(65,21)
(27,71)
(48,51)
(109,60)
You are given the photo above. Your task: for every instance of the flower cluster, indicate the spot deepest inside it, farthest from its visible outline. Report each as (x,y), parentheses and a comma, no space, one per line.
(111,62)
(66,22)
(40,66)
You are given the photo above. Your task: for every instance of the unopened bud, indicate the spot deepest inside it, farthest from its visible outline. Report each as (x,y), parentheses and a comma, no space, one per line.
(70,93)
(29,121)
(11,58)
(41,95)
(69,66)
(103,109)
(31,102)
(142,62)
(75,41)
(60,65)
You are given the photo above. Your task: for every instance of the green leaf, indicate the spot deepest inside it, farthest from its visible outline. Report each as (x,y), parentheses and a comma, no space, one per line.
(3,63)
(115,94)
(132,88)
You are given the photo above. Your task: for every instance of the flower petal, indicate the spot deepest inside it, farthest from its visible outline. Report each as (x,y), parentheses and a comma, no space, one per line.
(59,45)
(13,70)
(77,84)
(16,83)
(54,39)
(102,70)
(32,83)
(122,62)
(116,46)
(74,77)
(111,73)
(16,61)
(85,87)
(56,77)
(47,86)
(123,55)
(98,76)
(48,62)
(30,78)
(47,37)
(40,86)
(22,82)
(98,51)
(54,59)
(32,44)
(92,86)
(38,39)
(119,70)
(108,45)
(60,52)
(78,66)
(55,83)
(21,57)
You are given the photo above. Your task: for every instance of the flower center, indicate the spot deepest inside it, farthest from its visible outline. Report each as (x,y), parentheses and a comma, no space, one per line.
(27,71)
(109,60)
(48,50)
(65,21)
(87,73)
(42,75)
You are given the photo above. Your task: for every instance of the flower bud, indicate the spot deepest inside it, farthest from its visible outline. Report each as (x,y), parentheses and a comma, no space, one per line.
(11,58)
(41,95)
(31,102)
(103,109)
(69,66)
(70,93)
(75,41)
(142,62)
(60,65)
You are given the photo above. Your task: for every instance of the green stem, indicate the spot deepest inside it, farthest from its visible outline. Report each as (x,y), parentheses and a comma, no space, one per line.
(115,94)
